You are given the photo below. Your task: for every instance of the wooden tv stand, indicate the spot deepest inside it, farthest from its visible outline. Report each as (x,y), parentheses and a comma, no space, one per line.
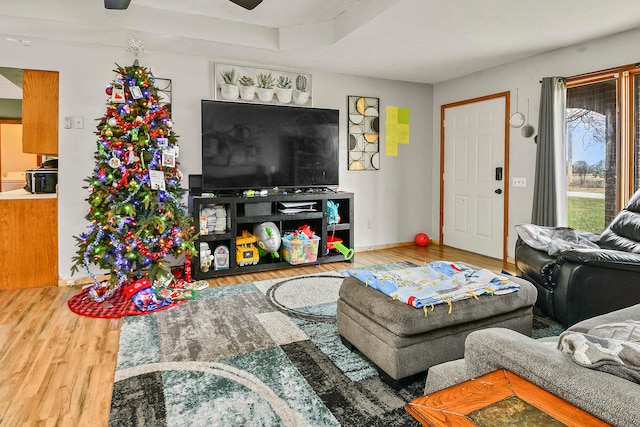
(242,213)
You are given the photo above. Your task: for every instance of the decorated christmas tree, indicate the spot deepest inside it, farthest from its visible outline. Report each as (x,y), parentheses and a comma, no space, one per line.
(137,220)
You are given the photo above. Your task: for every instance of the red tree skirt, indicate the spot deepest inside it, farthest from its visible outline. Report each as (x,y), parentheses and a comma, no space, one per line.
(117,306)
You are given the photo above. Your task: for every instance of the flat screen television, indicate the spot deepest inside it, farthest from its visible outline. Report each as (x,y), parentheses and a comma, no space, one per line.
(258,146)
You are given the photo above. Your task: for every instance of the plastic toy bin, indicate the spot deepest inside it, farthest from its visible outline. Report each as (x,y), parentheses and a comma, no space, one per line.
(300,251)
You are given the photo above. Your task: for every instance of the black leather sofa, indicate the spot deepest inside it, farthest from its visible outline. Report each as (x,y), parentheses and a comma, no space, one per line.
(579,283)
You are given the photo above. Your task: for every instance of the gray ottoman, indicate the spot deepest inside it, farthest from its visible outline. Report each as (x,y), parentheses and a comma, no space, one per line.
(402,342)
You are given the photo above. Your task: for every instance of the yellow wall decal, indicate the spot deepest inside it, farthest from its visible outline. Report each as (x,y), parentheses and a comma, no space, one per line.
(397,124)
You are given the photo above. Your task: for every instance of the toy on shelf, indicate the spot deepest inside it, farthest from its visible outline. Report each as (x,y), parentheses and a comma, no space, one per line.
(332,212)
(221,257)
(335,243)
(306,230)
(246,252)
(301,246)
(347,253)
(269,239)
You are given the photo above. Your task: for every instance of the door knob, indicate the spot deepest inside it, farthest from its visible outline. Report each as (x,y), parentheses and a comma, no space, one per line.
(498,191)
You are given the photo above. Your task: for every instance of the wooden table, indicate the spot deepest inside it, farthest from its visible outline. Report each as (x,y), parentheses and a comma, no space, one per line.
(499,398)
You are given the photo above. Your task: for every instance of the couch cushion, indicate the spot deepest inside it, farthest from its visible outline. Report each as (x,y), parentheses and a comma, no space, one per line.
(632,312)
(623,233)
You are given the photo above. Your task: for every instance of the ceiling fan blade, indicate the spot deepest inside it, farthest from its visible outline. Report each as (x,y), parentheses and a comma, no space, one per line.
(116,4)
(247,4)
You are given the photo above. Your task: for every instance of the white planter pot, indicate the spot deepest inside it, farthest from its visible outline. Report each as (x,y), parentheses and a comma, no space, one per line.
(229,91)
(284,95)
(300,97)
(265,95)
(247,92)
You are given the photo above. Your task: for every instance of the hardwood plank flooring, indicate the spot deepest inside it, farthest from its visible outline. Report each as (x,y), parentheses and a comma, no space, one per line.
(57,368)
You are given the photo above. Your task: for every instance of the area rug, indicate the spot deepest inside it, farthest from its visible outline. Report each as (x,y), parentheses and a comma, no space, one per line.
(544,326)
(256,354)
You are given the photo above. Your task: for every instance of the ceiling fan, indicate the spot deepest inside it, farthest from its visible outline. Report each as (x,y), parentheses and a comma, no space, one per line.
(247,4)
(116,4)
(123,4)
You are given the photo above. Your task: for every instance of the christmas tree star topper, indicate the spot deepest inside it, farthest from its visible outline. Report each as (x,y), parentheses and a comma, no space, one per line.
(135,45)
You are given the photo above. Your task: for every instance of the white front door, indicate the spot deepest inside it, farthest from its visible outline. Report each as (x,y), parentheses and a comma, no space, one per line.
(473,190)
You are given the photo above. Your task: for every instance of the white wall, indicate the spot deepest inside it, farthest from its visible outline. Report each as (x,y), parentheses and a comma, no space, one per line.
(525,76)
(395,200)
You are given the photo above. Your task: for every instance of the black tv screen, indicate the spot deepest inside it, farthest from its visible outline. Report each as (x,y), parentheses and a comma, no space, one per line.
(256,146)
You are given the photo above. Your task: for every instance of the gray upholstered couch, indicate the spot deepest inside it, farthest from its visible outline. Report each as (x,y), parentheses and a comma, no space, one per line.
(613,399)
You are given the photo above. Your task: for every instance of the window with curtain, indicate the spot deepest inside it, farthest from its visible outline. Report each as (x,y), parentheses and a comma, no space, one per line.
(602,145)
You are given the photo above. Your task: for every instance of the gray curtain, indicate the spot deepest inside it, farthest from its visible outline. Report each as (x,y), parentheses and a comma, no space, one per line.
(550,185)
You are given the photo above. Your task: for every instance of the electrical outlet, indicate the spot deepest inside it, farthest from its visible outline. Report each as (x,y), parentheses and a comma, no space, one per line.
(67,122)
(519,182)
(370,224)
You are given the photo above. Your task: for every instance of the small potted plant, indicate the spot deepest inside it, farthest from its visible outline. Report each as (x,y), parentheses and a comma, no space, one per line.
(247,88)
(283,89)
(265,89)
(300,95)
(229,88)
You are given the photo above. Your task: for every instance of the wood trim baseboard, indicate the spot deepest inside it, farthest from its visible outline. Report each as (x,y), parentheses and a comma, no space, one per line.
(391,246)
(82,281)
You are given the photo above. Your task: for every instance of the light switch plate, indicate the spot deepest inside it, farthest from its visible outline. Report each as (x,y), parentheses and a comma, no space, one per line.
(519,182)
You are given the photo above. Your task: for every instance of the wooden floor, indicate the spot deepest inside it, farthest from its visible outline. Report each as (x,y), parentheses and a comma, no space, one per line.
(57,368)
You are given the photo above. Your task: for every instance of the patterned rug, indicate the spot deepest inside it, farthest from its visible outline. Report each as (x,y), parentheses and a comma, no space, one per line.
(544,326)
(256,354)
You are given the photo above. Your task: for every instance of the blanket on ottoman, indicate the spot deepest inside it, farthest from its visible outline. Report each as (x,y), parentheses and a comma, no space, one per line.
(435,283)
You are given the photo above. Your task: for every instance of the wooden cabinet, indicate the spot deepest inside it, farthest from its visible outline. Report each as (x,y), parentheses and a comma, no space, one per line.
(40,112)
(29,243)
(242,213)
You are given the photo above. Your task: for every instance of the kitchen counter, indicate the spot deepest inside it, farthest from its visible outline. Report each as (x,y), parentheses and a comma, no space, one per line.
(24,194)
